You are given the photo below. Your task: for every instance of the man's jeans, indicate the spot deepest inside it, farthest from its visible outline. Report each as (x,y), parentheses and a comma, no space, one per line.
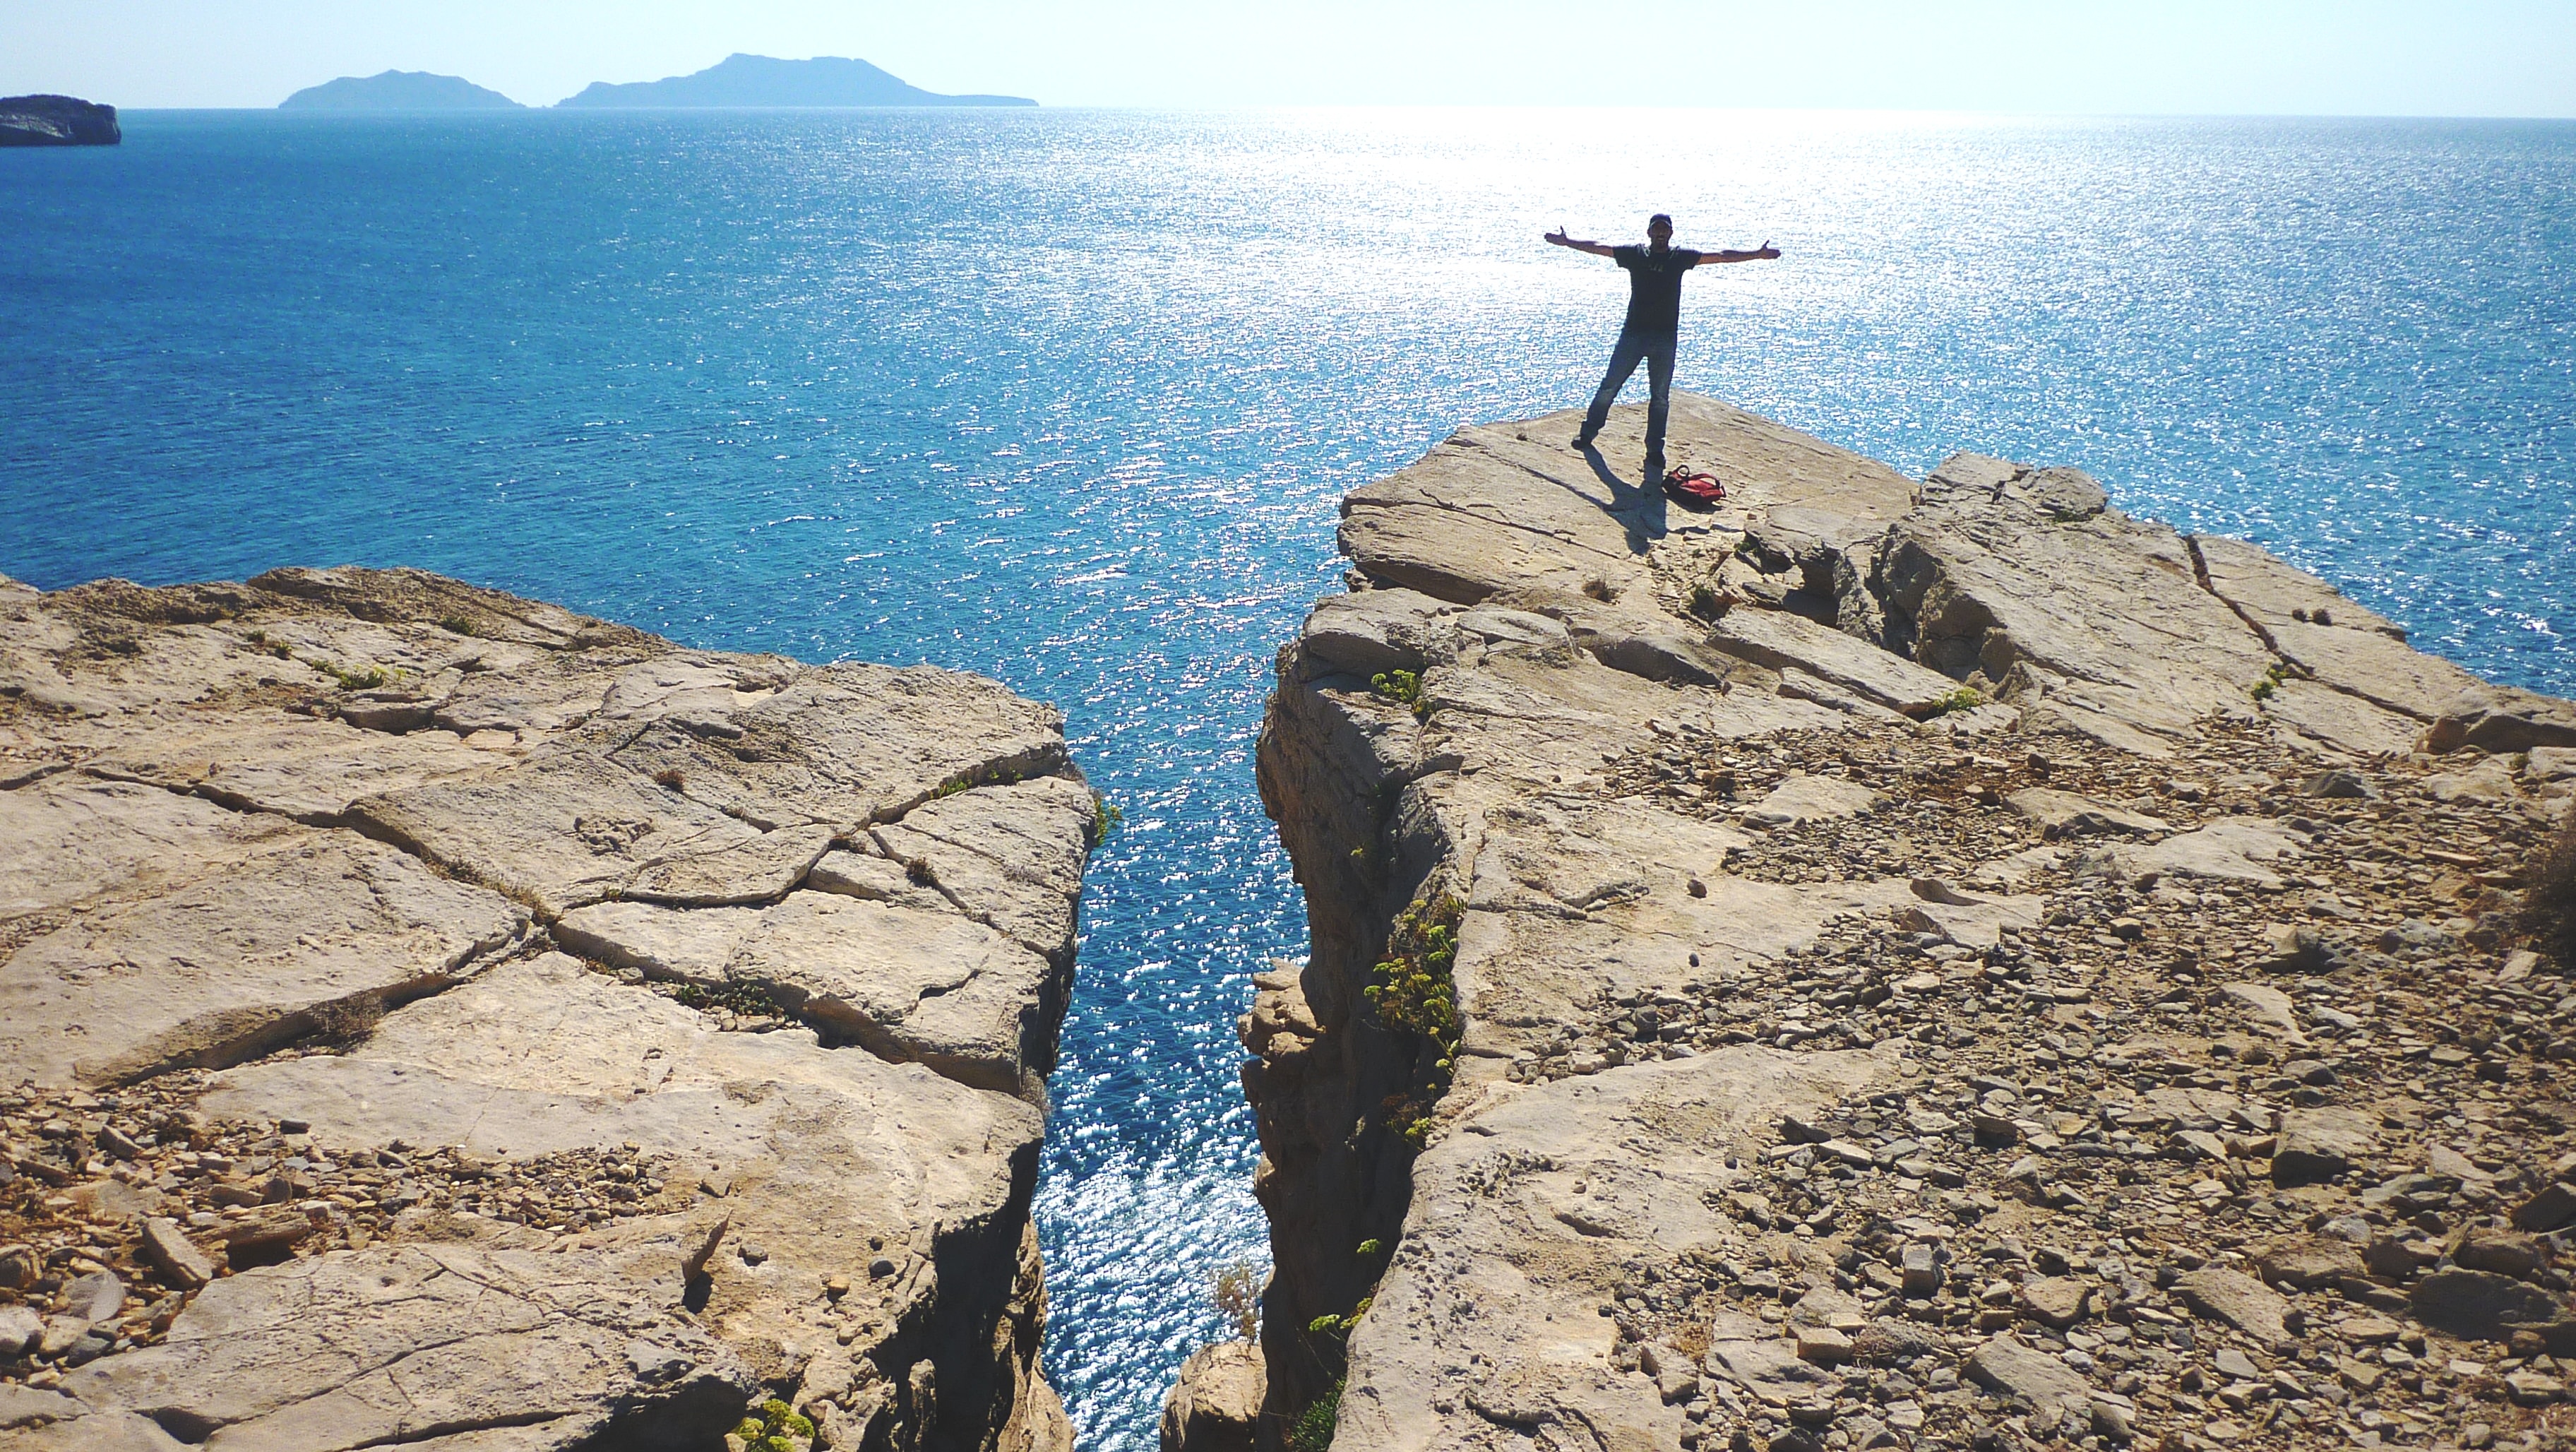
(1656,349)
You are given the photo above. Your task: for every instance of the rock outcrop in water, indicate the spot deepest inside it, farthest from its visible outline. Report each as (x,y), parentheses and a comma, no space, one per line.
(1889,963)
(57,121)
(765,81)
(398,91)
(429,1016)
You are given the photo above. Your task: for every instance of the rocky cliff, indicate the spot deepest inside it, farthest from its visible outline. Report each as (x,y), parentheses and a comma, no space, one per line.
(1889,963)
(432,1017)
(57,121)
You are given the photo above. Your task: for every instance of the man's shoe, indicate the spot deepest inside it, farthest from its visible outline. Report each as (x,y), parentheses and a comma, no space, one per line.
(1582,442)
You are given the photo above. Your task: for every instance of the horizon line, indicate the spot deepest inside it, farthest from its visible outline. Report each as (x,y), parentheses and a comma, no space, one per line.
(1273,106)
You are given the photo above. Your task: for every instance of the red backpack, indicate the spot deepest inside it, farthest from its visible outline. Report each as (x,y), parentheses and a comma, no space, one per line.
(1695,491)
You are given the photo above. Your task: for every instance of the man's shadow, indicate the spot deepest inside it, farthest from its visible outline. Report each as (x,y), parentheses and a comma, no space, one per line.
(1639,508)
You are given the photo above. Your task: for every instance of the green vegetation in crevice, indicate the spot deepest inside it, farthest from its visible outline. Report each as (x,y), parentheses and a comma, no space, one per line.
(1312,1429)
(774,1426)
(1405,689)
(1340,1325)
(744,1000)
(968,781)
(1966,698)
(1415,994)
(367,678)
(2273,676)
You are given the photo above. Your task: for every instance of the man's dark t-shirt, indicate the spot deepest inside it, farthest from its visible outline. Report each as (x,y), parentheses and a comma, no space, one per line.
(1655,287)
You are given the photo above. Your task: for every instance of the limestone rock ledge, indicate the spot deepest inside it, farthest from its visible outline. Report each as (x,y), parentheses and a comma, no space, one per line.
(1729,821)
(430,1016)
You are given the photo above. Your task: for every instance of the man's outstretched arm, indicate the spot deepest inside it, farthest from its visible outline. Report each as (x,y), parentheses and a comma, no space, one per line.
(1597,249)
(1763,253)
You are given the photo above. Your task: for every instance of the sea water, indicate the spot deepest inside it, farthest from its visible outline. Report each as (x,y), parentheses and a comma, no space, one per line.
(1069,398)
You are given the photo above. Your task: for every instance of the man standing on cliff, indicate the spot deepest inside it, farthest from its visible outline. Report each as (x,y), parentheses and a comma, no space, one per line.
(1653,329)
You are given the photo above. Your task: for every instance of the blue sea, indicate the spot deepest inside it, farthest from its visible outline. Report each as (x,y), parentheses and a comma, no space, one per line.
(1069,398)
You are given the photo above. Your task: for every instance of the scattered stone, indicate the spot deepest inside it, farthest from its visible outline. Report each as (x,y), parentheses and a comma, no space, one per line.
(2534,1389)
(1822,1345)
(168,1247)
(2316,1145)
(2308,1262)
(2068,814)
(2055,1301)
(2552,1208)
(2479,1305)
(2237,1299)
(2013,1368)
(2518,1256)
(20,1328)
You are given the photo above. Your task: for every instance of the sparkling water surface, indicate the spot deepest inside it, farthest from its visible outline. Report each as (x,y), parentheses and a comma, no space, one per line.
(1069,398)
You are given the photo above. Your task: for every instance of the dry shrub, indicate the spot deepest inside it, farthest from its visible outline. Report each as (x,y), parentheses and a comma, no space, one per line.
(2549,914)
(348,1020)
(1238,1296)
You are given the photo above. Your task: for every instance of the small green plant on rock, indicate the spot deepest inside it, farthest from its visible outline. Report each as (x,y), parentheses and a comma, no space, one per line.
(1339,1325)
(1369,1249)
(773,1426)
(1312,1430)
(2273,675)
(1404,688)
(1966,698)
(1105,817)
(366,678)
(457,625)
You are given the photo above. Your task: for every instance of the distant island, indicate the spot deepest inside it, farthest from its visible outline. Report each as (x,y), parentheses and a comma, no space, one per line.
(759,80)
(398,91)
(57,121)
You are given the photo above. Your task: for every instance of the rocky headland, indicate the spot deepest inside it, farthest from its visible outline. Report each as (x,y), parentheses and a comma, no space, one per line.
(1892,963)
(57,121)
(432,1017)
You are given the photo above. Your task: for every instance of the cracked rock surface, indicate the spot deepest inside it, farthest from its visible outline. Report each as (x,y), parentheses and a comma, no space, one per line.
(1894,963)
(431,1017)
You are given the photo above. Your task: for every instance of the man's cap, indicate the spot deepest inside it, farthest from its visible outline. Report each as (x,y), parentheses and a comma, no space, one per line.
(1659,217)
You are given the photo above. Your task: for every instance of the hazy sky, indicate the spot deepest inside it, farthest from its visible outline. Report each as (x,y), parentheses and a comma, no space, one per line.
(2352,57)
